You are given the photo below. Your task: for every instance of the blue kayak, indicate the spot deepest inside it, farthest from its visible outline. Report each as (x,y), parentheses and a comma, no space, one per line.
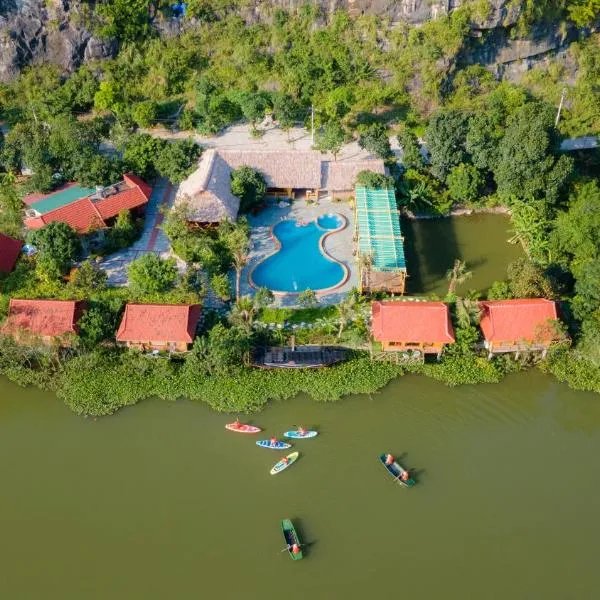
(273,446)
(300,436)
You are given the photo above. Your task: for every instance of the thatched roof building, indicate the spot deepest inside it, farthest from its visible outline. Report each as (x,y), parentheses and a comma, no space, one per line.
(207,191)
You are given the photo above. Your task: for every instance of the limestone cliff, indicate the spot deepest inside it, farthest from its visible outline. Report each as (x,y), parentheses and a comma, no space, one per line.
(55,31)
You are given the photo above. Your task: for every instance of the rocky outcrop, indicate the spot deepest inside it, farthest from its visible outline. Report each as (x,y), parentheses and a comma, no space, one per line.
(54,31)
(34,31)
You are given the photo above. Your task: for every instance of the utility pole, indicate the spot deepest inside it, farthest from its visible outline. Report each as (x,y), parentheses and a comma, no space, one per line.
(312,124)
(562,99)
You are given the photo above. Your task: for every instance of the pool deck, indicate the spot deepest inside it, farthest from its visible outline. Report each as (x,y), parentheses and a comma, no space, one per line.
(338,245)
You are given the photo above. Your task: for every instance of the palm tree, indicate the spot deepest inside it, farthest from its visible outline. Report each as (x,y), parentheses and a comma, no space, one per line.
(467,312)
(239,246)
(457,275)
(365,263)
(345,311)
(243,313)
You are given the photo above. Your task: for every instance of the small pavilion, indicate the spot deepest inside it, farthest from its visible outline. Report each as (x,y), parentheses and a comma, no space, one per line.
(380,244)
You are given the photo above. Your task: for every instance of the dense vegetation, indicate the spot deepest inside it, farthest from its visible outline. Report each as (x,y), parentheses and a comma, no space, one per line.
(489,143)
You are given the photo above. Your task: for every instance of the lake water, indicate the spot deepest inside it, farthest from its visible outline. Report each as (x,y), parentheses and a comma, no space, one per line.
(160,501)
(432,245)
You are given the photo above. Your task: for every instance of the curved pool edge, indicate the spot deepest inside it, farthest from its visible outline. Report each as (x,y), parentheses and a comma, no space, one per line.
(326,255)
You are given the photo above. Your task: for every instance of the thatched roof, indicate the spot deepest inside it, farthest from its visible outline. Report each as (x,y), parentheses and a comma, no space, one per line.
(297,169)
(207,191)
(340,176)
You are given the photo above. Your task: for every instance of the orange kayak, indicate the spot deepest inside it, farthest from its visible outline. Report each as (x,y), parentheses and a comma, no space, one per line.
(242,428)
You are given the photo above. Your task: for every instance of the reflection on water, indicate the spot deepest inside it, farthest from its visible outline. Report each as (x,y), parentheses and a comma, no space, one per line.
(432,245)
(160,501)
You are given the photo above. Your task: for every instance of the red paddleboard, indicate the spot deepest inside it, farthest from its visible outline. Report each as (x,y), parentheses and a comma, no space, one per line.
(241,428)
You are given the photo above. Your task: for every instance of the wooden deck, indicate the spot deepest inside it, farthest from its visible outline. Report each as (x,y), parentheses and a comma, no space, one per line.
(298,357)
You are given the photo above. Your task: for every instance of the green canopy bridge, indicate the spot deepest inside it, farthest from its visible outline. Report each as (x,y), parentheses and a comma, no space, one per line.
(380,245)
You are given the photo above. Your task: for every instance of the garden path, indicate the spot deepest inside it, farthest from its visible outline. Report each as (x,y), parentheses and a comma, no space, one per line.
(153,238)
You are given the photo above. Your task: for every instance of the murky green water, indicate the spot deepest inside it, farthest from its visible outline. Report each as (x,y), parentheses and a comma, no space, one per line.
(432,246)
(161,502)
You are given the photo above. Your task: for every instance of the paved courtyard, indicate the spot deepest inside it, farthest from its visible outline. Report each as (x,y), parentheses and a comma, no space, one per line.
(338,245)
(153,238)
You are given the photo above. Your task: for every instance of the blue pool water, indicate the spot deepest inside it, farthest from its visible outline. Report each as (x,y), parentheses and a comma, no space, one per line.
(329,221)
(299,264)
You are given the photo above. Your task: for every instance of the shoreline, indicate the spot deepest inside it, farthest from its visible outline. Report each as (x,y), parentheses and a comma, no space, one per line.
(459,211)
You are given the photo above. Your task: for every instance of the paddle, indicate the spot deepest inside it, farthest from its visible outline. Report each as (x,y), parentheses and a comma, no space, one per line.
(290,547)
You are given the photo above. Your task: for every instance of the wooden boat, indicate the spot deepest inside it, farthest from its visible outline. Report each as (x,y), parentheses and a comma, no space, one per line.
(292,540)
(242,428)
(284,464)
(297,435)
(396,470)
(273,445)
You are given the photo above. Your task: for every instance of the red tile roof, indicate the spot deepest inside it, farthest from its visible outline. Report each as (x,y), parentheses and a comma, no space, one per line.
(43,317)
(518,320)
(91,212)
(81,215)
(159,323)
(9,252)
(134,181)
(411,322)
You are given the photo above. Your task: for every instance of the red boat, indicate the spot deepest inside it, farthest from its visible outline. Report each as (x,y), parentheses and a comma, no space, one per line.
(242,427)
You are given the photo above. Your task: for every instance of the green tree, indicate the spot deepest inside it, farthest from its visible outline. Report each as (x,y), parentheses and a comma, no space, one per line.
(98,169)
(375,140)
(176,160)
(411,150)
(220,286)
(238,244)
(97,324)
(285,111)
(145,113)
(89,278)
(11,206)
(307,299)
(464,183)
(526,165)
(151,274)
(140,154)
(576,234)
(370,179)
(125,20)
(528,280)
(446,137)
(330,139)
(58,247)
(482,140)
(587,290)
(584,12)
(249,186)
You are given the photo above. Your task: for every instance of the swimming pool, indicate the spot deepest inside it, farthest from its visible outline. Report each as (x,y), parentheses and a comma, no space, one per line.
(300,262)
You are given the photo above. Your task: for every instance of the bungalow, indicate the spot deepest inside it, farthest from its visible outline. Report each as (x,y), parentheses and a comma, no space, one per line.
(169,327)
(519,325)
(87,209)
(9,252)
(288,173)
(401,326)
(51,321)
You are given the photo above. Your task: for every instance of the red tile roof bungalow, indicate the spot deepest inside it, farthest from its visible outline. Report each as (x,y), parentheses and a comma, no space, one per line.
(87,209)
(516,325)
(9,252)
(401,326)
(48,320)
(169,327)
